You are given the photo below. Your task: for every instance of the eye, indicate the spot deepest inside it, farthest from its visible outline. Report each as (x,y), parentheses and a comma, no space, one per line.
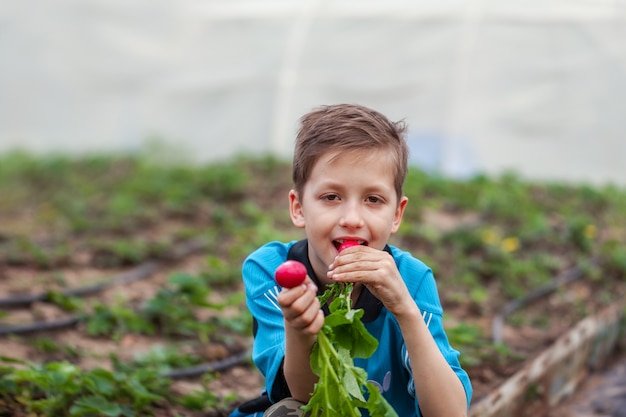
(330,197)
(374,199)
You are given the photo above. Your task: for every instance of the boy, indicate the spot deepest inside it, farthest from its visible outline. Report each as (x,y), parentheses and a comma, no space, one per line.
(349,168)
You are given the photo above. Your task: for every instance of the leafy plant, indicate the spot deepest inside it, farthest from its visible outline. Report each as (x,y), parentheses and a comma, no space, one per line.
(67,303)
(50,346)
(342,387)
(161,358)
(220,272)
(116,320)
(203,399)
(172,311)
(60,388)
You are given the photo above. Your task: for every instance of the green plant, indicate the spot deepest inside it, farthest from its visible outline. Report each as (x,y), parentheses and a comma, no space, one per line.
(115,320)
(60,388)
(48,346)
(67,303)
(173,308)
(161,358)
(342,387)
(220,272)
(203,399)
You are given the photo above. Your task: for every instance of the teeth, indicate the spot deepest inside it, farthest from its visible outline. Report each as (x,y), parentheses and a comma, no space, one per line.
(360,242)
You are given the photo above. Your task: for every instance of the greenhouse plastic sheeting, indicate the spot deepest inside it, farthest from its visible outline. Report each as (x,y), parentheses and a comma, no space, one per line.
(532,86)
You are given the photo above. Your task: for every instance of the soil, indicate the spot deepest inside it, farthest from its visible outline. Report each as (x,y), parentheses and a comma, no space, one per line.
(603,394)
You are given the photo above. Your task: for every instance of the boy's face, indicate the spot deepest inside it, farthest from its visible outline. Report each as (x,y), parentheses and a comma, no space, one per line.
(348,196)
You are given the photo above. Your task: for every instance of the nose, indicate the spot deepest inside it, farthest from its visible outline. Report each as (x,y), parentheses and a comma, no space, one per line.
(351,216)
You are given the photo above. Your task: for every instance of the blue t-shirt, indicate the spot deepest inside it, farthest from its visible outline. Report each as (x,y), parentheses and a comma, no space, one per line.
(388,368)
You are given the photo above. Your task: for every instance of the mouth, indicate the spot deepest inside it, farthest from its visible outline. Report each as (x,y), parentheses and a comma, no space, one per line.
(338,242)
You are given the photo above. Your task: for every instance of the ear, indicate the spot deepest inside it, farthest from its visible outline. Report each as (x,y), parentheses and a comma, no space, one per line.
(397,217)
(295,209)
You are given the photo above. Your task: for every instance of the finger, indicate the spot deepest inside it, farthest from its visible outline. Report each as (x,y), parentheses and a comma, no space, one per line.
(304,302)
(308,300)
(362,271)
(288,296)
(306,318)
(356,256)
(316,324)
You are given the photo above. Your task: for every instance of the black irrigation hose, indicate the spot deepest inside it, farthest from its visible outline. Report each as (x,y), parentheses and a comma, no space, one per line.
(40,326)
(544,290)
(137,273)
(203,368)
(141,271)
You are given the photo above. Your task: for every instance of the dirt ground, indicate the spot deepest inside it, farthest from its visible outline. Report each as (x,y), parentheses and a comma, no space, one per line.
(602,394)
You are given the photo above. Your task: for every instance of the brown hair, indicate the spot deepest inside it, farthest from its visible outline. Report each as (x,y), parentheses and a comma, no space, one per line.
(347,127)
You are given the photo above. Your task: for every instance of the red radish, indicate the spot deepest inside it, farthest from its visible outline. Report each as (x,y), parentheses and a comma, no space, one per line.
(290,274)
(347,244)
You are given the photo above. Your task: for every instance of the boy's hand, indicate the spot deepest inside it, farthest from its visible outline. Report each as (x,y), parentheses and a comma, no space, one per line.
(377,270)
(301,308)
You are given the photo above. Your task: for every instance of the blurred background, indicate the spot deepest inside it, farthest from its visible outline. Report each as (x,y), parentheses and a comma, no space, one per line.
(536,87)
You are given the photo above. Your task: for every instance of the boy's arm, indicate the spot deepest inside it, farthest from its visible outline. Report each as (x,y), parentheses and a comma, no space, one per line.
(438,388)
(303,320)
(262,294)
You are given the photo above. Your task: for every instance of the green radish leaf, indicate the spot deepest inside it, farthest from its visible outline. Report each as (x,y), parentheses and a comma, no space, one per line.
(376,404)
(342,388)
(366,345)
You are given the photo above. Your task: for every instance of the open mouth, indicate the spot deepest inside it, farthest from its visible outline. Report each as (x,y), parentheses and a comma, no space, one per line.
(352,242)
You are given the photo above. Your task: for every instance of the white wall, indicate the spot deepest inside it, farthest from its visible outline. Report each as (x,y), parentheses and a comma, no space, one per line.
(535,86)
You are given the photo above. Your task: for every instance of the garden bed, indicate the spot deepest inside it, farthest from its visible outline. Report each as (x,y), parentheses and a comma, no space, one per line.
(138,262)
